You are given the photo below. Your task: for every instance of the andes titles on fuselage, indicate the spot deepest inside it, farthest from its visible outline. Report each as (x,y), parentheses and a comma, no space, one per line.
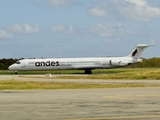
(47,63)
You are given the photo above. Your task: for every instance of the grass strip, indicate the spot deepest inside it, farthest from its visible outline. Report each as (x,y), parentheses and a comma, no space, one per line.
(34,85)
(118,74)
(122,73)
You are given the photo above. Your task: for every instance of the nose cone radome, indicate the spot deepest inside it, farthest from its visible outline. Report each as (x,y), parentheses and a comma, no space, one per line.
(11,67)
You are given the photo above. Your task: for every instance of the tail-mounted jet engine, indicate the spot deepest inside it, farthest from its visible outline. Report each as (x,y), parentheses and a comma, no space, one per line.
(119,63)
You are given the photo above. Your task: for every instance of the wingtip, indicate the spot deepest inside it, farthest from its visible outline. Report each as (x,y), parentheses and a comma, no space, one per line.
(145,45)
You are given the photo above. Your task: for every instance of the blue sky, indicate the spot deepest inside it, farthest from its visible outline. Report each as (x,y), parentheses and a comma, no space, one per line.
(78,28)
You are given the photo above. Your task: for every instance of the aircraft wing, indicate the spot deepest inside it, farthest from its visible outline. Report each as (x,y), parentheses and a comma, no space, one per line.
(83,67)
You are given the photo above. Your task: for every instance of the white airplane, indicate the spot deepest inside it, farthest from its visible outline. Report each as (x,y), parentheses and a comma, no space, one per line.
(86,64)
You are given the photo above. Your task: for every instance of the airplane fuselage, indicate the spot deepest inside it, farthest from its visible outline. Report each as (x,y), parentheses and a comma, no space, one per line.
(86,64)
(71,63)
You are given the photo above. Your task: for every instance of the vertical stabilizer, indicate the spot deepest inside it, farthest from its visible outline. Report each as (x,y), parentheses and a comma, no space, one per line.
(138,50)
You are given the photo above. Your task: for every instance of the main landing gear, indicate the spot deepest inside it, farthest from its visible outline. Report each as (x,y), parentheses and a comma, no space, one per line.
(88,71)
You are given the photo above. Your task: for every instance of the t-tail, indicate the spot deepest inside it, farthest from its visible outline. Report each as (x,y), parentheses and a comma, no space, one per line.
(137,52)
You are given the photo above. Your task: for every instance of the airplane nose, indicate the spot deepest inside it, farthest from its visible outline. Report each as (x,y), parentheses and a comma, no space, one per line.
(11,67)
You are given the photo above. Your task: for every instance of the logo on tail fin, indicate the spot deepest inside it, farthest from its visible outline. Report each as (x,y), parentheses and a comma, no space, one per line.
(134,53)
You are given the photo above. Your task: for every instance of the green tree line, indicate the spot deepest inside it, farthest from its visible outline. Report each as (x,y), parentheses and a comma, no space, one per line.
(147,63)
(5,63)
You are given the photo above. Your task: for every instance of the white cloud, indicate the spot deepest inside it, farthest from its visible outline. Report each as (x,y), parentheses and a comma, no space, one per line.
(62,2)
(64,29)
(58,28)
(5,35)
(138,10)
(22,29)
(137,2)
(129,9)
(152,41)
(110,30)
(97,12)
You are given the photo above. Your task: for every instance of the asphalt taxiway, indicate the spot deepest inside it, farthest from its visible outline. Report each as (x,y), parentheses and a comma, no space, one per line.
(80,104)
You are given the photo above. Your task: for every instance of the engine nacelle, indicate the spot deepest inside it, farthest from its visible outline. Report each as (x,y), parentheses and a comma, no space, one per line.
(119,63)
(137,60)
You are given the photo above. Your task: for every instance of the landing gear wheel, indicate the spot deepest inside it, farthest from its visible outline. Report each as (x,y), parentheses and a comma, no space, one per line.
(15,72)
(88,71)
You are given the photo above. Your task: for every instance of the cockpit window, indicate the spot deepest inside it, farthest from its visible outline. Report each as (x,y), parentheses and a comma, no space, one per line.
(18,62)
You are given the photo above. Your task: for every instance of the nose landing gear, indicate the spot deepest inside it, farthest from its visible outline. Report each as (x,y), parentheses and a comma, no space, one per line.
(15,72)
